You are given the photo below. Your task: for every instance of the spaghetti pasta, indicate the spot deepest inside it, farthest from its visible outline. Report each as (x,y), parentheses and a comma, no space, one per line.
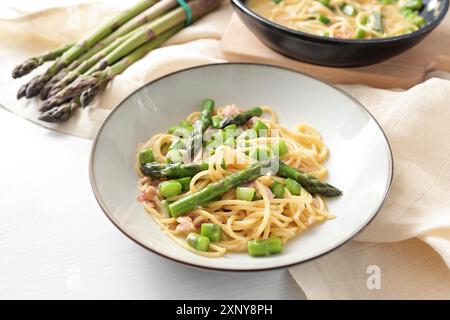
(344,18)
(261,217)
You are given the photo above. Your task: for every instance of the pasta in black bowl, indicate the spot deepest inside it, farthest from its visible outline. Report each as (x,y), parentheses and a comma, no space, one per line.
(341,33)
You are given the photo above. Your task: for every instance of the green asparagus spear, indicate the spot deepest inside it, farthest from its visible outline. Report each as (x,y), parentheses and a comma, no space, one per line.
(242,117)
(35,86)
(204,122)
(88,95)
(148,15)
(45,92)
(310,183)
(193,200)
(106,45)
(102,77)
(86,65)
(155,28)
(173,170)
(62,112)
(34,62)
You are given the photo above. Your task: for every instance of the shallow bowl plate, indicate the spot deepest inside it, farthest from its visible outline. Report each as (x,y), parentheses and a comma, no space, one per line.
(360,161)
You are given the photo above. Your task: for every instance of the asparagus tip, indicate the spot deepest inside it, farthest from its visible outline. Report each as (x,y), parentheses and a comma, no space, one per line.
(24,68)
(34,87)
(22,91)
(58,114)
(88,95)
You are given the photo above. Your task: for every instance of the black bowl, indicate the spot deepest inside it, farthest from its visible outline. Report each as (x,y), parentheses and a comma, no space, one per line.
(332,51)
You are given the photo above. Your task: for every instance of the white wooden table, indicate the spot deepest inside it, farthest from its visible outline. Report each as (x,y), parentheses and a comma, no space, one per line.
(55,242)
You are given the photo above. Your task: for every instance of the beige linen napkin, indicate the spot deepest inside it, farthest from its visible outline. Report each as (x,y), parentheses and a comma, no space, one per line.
(417,125)
(416,122)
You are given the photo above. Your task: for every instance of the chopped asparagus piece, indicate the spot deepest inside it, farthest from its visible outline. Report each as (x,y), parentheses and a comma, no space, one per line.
(245,194)
(198,242)
(170,188)
(211,231)
(146,156)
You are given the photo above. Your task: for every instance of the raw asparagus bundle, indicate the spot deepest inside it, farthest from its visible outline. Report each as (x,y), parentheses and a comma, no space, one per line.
(81,69)
(34,87)
(147,33)
(95,81)
(105,46)
(156,27)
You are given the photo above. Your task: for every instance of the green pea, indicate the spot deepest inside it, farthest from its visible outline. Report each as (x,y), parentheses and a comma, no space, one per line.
(170,188)
(277,189)
(324,19)
(198,242)
(293,186)
(360,33)
(146,156)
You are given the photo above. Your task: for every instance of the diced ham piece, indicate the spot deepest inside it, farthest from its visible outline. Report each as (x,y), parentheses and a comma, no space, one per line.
(343,32)
(148,194)
(251,184)
(315,203)
(230,110)
(251,121)
(150,204)
(185,225)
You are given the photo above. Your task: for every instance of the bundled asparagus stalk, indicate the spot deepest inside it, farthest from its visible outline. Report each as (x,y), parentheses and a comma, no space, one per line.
(105,46)
(34,87)
(141,36)
(96,80)
(81,69)
(99,78)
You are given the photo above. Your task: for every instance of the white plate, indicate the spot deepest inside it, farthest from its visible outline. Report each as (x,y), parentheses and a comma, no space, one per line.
(360,161)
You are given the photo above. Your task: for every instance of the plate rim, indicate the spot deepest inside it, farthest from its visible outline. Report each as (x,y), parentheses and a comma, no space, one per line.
(106,212)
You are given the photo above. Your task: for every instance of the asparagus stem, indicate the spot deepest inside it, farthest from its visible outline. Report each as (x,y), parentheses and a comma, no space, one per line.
(45,92)
(106,45)
(173,171)
(241,118)
(34,62)
(102,77)
(86,64)
(151,13)
(176,171)
(310,183)
(60,113)
(35,86)
(193,200)
(204,122)
(155,28)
